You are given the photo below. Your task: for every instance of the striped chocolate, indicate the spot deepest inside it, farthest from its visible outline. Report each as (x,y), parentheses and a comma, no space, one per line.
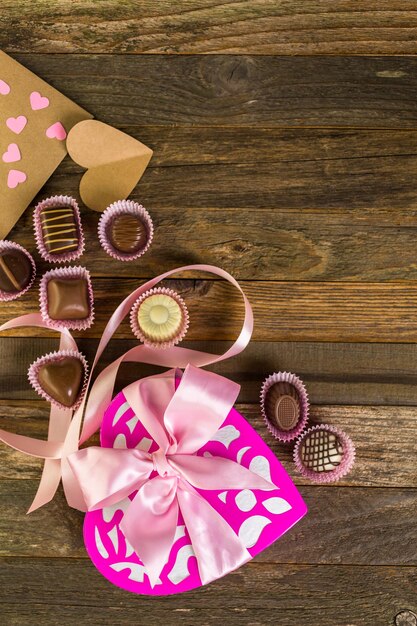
(59,229)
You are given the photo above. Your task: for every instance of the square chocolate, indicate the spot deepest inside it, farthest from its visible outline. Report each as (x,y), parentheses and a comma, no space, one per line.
(68,298)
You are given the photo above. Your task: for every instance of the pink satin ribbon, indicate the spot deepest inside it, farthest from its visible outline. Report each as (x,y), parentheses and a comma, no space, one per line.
(180,422)
(65,435)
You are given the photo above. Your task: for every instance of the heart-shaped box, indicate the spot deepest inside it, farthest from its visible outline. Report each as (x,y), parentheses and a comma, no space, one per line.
(258,517)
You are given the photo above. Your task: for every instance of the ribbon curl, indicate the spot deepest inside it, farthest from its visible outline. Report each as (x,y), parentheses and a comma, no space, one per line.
(180,422)
(67,430)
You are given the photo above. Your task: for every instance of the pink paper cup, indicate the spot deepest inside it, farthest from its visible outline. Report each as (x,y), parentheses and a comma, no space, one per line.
(5,246)
(292,379)
(33,376)
(137,330)
(346,450)
(66,273)
(124,207)
(64,201)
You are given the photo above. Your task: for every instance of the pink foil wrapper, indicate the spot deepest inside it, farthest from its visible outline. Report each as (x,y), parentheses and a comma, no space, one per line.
(288,377)
(123,207)
(65,257)
(341,470)
(66,272)
(48,358)
(11,245)
(137,331)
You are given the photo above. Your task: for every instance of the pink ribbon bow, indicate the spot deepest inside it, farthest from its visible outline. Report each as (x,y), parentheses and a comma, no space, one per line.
(180,422)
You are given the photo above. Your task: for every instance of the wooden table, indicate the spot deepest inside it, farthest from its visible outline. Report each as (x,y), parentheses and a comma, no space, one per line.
(285,139)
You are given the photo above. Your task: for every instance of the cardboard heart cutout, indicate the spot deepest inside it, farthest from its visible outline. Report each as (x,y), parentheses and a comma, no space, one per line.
(114,161)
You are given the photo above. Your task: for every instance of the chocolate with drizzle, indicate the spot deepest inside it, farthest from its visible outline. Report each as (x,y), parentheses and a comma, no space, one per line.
(321,451)
(127,233)
(16,270)
(59,229)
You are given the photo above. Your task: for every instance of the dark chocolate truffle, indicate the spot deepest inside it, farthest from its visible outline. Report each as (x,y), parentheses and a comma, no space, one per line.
(127,233)
(68,298)
(321,451)
(62,379)
(282,405)
(16,270)
(59,229)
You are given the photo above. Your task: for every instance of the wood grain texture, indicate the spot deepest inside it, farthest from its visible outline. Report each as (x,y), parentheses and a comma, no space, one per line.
(335,373)
(203,26)
(365,92)
(284,311)
(257,594)
(339,205)
(343,526)
(383,436)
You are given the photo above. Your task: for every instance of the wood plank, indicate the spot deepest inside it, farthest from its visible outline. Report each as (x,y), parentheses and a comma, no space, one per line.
(233,90)
(372,428)
(292,311)
(258,593)
(364,229)
(201,26)
(343,374)
(359,515)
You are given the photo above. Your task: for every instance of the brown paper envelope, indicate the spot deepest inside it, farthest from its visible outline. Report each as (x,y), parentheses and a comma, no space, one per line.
(25,96)
(114,161)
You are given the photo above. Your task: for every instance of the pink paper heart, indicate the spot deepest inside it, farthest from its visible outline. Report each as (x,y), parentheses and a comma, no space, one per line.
(15,177)
(56,131)
(16,124)
(12,154)
(4,88)
(37,101)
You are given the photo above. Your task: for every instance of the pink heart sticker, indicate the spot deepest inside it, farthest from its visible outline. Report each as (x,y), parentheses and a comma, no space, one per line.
(12,154)
(37,101)
(56,131)
(15,177)
(4,88)
(16,124)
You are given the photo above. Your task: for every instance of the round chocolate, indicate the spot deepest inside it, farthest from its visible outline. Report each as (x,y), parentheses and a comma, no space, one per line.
(282,405)
(321,451)
(127,233)
(159,317)
(16,270)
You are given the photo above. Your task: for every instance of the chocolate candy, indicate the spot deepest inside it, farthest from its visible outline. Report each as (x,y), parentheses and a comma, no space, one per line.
(159,318)
(127,233)
(62,379)
(321,451)
(59,229)
(125,230)
(68,298)
(16,270)
(282,405)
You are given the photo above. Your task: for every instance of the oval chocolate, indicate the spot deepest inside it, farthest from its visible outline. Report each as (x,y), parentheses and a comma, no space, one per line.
(282,405)
(127,233)
(16,270)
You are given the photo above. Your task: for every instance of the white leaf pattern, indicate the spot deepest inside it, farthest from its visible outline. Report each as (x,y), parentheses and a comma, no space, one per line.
(226,435)
(277,505)
(120,412)
(180,570)
(251,530)
(245,500)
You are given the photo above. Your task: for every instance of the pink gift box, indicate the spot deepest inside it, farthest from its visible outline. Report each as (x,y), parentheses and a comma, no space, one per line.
(258,517)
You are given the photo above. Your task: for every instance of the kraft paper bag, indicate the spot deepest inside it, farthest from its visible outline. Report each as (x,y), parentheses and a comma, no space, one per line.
(35,120)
